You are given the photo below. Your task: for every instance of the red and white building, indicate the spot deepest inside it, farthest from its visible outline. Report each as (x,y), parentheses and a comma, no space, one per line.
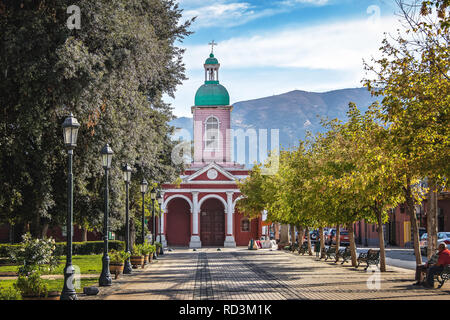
(201,211)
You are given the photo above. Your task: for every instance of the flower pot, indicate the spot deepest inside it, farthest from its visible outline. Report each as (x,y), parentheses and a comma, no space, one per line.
(151,257)
(116,268)
(137,261)
(146,259)
(51,295)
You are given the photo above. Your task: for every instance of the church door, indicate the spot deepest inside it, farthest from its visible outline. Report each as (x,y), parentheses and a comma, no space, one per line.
(178,223)
(212,223)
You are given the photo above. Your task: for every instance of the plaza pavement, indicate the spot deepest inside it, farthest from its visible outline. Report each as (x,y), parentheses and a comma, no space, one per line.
(241,274)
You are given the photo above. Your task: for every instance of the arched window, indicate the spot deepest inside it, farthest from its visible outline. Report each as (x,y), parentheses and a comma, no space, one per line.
(212,134)
(245,225)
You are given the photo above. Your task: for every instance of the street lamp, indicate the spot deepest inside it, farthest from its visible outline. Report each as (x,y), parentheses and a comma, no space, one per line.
(105,276)
(70,133)
(153,197)
(127,178)
(144,188)
(160,203)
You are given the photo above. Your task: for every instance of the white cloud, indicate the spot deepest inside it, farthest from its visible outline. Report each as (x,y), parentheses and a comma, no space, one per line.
(315,58)
(226,14)
(311,2)
(335,46)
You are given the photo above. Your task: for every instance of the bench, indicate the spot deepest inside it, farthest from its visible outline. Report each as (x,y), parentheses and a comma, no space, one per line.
(369,257)
(345,254)
(443,276)
(330,252)
(303,248)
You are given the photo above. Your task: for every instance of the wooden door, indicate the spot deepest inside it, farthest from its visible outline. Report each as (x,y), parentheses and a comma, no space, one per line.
(212,225)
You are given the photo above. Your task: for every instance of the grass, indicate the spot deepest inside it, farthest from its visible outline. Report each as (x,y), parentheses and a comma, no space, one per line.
(55,285)
(88,264)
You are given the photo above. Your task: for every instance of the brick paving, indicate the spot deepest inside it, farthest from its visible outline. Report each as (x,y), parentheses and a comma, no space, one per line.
(241,274)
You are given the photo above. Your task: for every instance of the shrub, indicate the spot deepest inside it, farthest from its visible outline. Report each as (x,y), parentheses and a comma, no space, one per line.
(137,250)
(148,249)
(118,256)
(10,294)
(34,254)
(32,284)
(78,248)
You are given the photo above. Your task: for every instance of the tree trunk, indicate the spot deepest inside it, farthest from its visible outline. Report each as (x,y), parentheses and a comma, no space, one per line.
(44,230)
(338,238)
(292,227)
(381,239)
(432,215)
(412,216)
(322,243)
(84,232)
(308,238)
(284,236)
(301,235)
(352,244)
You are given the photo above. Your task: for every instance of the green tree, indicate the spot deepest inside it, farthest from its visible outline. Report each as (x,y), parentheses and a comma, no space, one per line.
(111,75)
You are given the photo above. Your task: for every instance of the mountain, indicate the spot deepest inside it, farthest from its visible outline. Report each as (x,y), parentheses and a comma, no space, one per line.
(293,113)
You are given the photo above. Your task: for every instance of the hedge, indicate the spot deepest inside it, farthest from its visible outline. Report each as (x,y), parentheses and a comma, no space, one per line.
(78,248)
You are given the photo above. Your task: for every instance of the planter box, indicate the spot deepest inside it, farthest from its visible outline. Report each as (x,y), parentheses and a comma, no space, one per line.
(116,268)
(137,261)
(52,295)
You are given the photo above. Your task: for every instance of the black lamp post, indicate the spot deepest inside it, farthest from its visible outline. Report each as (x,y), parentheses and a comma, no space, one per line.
(127,178)
(153,197)
(70,132)
(105,276)
(160,202)
(144,188)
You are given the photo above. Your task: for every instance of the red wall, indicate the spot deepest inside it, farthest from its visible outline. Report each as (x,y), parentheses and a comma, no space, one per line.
(242,238)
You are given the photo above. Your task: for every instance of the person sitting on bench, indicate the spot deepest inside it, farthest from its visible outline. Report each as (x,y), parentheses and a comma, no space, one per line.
(444,259)
(422,269)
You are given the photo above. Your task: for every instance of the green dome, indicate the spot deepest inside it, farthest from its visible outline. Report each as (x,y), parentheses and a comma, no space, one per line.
(211,60)
(212,94)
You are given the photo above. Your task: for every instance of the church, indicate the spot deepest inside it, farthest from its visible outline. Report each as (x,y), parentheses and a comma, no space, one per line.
(201,211)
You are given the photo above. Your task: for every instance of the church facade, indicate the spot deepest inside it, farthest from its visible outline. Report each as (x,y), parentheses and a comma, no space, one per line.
(201,211)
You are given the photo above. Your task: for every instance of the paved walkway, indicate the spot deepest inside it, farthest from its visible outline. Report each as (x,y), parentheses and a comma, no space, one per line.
(242,274)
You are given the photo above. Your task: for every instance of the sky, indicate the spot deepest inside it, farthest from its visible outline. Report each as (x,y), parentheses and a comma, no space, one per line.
(272,47)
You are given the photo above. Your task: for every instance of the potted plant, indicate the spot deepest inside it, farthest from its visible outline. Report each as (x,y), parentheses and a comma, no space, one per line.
(146,250)
(158,247)
(35,256)
(137,257)
(152,250)
(117,261)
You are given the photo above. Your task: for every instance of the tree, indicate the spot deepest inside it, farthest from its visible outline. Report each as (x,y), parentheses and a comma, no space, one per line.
(111,75)
(412,76)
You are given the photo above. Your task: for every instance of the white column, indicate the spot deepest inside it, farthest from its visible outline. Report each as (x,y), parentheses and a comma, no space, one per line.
(229,239)
(264,218)
(195,237)
(162,237)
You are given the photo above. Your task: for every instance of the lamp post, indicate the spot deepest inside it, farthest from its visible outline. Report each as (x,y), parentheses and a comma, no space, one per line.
(105,276)
(144,188)
(160,203)
(153,197)
(127,178)
(70,132)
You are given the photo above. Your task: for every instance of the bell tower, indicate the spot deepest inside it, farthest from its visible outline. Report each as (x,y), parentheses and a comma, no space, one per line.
(212,117)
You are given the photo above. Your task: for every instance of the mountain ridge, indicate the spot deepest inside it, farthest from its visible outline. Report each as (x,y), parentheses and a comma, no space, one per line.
(293,112)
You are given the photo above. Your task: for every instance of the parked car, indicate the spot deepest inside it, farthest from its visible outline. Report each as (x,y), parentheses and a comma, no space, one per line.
(329,236)
(344,238)
(423,244)
(441,237)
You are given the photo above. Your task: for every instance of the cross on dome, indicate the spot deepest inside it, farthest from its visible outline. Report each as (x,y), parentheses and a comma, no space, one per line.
(212,44)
